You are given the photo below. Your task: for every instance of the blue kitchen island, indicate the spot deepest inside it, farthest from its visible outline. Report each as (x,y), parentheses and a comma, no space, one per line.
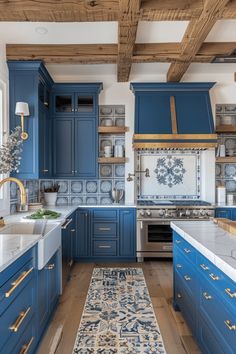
(204,261)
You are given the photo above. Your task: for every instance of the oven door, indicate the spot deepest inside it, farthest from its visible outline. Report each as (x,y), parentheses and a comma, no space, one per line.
(154,238)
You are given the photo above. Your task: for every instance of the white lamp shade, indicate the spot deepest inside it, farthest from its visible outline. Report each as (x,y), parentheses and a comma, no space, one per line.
(22,108)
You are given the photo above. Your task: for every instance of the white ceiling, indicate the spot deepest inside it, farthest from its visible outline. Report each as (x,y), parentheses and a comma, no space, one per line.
(106,32)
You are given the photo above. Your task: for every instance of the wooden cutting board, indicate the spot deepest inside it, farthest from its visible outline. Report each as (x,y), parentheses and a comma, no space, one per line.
(226,224)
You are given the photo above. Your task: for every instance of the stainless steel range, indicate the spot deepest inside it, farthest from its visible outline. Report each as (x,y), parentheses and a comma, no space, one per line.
(154,234)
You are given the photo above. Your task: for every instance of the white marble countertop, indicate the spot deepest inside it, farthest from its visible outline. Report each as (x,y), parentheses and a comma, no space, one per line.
(213,242)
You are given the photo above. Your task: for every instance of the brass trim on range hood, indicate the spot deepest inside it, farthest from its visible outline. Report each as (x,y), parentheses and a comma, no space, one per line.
(174,145)
(175,137)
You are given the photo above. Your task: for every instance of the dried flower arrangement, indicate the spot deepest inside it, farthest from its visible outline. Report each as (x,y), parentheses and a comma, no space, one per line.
(10,152)
(53,189)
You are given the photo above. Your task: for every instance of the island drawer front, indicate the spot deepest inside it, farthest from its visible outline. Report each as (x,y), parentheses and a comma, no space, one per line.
(218,316)
(11,289)
(183,246)
(16,317)
(104,248)
(105,214)
(104,229)
(208,340)
(186,272)
(185,302)
(225,286)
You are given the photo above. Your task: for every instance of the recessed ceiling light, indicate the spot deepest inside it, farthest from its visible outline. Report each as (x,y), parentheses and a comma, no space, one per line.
(41,30)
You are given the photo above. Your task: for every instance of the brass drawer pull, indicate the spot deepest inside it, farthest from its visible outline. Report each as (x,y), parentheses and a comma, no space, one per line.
(207,296)
(214,277)
(72,230)
(178,241)
(104,246)
(230,326)
(18,281)
(50,266)
(179,296)
(15,327)
(26,347)
(104,229)
(70,263)
(187,278)
(178,266)
(66,223)
(228,292)
(186,250)
(204,267)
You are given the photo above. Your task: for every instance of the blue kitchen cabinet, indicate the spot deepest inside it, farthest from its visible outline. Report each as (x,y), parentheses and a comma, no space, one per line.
(30,82)
(68,236)
(229,213)
(48,291)
(127,233)
(82,241)
(206,298)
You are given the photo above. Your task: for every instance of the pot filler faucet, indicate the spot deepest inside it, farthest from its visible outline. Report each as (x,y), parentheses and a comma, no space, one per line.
(23,202)
(130,175)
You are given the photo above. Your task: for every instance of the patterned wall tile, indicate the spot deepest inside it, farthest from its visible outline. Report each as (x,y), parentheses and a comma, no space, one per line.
(77,200)
(106,200)
(119,171)
(77,187)
(105,186)
(105,170)
(64,186)
(13,190)
(91,187)
(92,200)
(63,200)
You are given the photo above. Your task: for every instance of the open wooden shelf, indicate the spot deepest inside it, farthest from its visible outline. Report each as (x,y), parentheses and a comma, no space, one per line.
(226,129)
(112,159)
(112,130)
(227,159)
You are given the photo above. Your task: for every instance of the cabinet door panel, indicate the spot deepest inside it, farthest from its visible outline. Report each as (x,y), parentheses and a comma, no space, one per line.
(86,147)
(84,103)
(63,104)
(43,305)
(45,142)
(223,213)
(82,241)
(63,147)
(127,233)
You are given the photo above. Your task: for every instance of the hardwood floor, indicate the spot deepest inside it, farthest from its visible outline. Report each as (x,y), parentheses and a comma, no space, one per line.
(158,274)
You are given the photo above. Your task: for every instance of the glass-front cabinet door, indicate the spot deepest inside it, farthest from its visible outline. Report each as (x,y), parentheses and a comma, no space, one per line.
(63,103)
(84,103)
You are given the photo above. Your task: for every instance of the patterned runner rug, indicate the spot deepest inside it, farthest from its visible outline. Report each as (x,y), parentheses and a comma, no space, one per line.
(118,316)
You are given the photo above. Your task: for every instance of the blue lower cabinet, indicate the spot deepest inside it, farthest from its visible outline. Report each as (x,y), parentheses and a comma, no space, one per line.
(106,234)
(229,213)
(207,303)
(48,291)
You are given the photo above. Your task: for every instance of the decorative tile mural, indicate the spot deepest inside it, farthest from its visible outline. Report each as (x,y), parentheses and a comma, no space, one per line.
(174,174)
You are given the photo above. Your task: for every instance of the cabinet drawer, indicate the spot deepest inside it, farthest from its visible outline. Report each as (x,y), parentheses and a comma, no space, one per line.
(104,248)
(15,284)
(105,214)
(27,341)
(16,317)
(186,271)
(183,246)
(103,229)
(219,318)
(223,284)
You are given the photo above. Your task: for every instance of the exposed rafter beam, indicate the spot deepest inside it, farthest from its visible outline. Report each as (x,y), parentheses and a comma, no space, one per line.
(128,23)
(195,35)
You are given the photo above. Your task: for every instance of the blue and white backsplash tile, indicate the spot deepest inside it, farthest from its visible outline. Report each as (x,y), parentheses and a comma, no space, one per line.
(77,187)
(106,170)
(173,174)
(92,187)
(64,186)
(105,186)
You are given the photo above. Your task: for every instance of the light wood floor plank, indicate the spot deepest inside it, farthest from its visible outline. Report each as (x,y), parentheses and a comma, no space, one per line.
(158,274)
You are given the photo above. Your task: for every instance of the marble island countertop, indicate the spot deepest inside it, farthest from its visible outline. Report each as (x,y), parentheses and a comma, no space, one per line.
(213,242)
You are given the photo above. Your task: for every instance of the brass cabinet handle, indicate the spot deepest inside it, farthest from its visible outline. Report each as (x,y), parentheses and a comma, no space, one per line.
(50,266)
(213,276)
(228,292)
(66,223)
(104,229)
(178,241)
(207,296)
(186,250)
(16,325)
(26,347)
(70,263)
(104,246)
(230,326)
(204,267)
(179,296)
(187,278)
(45,103)
(45,170)
(18,281)
(72,230)
(178,266)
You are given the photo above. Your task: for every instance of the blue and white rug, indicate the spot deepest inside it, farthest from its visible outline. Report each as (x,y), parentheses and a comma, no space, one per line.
(118,316)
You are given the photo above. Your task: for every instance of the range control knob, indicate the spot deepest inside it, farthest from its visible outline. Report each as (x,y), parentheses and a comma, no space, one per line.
(202,212)
(161,212)
(148,213)
(195,212)
(141,213)
(209,212)
(187,212)
(181,213)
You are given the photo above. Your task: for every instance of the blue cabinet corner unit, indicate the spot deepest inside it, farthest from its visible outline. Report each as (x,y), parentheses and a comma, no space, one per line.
(229,213)
(62,125)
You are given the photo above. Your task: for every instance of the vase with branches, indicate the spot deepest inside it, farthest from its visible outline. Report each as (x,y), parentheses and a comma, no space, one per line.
(10,152)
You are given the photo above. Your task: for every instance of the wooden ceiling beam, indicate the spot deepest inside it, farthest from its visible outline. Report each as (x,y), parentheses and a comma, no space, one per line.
(128,23)
(195,35)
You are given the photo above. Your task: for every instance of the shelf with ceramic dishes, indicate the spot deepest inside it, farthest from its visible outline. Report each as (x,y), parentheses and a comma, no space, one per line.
(112,129)
(112,160)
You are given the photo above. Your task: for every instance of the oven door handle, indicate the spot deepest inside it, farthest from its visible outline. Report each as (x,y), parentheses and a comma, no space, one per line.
(141,225)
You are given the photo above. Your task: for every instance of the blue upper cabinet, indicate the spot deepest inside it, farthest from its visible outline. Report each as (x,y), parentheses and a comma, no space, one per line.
(31,83)
(157,105)
(75,116)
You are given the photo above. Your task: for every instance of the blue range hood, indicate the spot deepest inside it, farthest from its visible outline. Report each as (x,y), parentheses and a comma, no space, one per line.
(173,115)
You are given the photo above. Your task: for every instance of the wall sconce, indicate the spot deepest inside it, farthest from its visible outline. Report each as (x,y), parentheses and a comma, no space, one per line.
(22,109)
(130,175)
